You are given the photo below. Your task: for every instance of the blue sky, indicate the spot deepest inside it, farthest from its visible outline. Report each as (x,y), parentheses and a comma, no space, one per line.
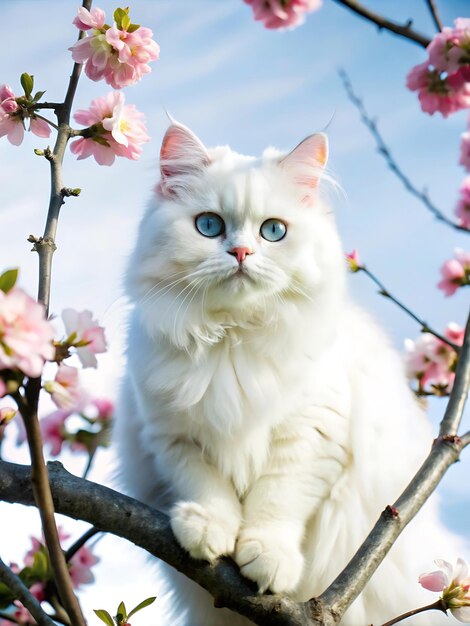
(233,82)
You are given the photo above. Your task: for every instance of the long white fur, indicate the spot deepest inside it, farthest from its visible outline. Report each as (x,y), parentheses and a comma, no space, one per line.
(267,414)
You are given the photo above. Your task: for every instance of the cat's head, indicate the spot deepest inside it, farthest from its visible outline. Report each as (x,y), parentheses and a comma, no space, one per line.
(234,240)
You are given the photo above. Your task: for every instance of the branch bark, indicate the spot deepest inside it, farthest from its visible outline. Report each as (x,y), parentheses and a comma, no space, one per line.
(402,30)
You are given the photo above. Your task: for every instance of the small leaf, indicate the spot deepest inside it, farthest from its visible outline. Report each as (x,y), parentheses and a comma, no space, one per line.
(122,611)
(37,96)
(142,605)
(118,15)
(125,22)
(104,616)
(8,280)
(132,28)
(27,82)
(119,619)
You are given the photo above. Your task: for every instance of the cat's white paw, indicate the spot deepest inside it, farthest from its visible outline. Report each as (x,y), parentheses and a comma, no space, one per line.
(202,533)
(271,560)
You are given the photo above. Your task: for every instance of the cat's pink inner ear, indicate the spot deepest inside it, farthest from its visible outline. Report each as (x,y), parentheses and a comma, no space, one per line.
(181,153)
(306,161)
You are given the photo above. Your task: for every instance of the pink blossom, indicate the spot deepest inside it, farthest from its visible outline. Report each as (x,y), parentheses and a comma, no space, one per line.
(465,151)
(444,53)
(65,389)
(354,261)
(431,361)
(25,334)
(12,119)
(455,272)
(437,93)
(454,582)
(87,331)
(80,567)
(114,54)
(118,129)
(86,20)
(104,407)
(53,430)
(462,209)
(282,14)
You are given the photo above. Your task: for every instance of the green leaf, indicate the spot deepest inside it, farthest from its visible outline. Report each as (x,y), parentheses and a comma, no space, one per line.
(104,616)
(40,566)
(118,15)
(8,280)
(37,96)
(122,610)
(27,82)
(125,22)
(141,606)
(119,619)
(132,28)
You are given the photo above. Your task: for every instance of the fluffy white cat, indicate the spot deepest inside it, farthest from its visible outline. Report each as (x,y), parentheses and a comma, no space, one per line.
(261,408)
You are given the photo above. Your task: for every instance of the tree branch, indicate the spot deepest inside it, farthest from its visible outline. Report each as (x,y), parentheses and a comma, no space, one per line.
(392,164)
(402,30)
(149,529)
(425,328)
(20,591)
(444,452)
(434,14)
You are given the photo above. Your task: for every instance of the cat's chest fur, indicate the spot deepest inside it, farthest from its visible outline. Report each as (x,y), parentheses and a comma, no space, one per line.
(236,397)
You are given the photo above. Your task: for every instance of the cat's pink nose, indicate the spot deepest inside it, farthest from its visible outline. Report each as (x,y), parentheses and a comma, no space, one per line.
(240,253)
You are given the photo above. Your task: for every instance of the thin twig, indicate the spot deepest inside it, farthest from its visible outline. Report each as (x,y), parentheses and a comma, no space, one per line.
(403,30)
(444,452)
(435,606)
(434,14)
(81,541)
(425,328)
(45,247)
(392,164)
(22,593)
(46,120)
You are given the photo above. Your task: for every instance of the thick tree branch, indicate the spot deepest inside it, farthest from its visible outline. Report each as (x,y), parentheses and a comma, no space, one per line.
(20,591)
(444,452)
(402,30)
(392,164)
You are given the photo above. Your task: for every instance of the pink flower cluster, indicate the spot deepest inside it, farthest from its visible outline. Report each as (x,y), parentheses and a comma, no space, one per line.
(431,362)
(65,389)
(25,334)
(443,81)
(462,210)
(115,129)
(455,272)
(282,13)
(119,54)
(454,582)
(12,118)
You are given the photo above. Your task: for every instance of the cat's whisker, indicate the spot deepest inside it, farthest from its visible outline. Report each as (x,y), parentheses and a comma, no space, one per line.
(193,285)
(167,288)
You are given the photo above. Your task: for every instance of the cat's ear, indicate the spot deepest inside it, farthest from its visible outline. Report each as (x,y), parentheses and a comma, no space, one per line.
(181,153)
(307,161)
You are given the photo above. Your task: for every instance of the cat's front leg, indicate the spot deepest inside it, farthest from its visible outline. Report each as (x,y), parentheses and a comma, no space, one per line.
(304,465)
(207,514)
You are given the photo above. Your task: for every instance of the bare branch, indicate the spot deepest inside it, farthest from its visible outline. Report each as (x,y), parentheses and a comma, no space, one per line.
(402,30)
(392,164)
(444,452)
(434,14)
(22,593)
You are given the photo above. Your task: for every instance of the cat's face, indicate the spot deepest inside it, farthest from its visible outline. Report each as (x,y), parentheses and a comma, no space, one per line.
(235,234)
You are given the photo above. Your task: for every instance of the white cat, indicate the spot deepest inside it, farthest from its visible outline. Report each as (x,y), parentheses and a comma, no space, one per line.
(261,408)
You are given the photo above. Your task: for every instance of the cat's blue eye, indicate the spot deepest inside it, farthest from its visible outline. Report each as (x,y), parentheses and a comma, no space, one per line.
(273,230)
(210,224)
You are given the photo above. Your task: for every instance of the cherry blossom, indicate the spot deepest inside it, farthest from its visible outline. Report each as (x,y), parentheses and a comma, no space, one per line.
(431,361)
(116,130)
(438,93)
(65,389)
(282,14)
(354,261)
(25,334)
(454,582)
(118,54)
(455,272)
(53,430)
(465,151)
(105,408)
(12,119)
(89,337)
(462,210)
